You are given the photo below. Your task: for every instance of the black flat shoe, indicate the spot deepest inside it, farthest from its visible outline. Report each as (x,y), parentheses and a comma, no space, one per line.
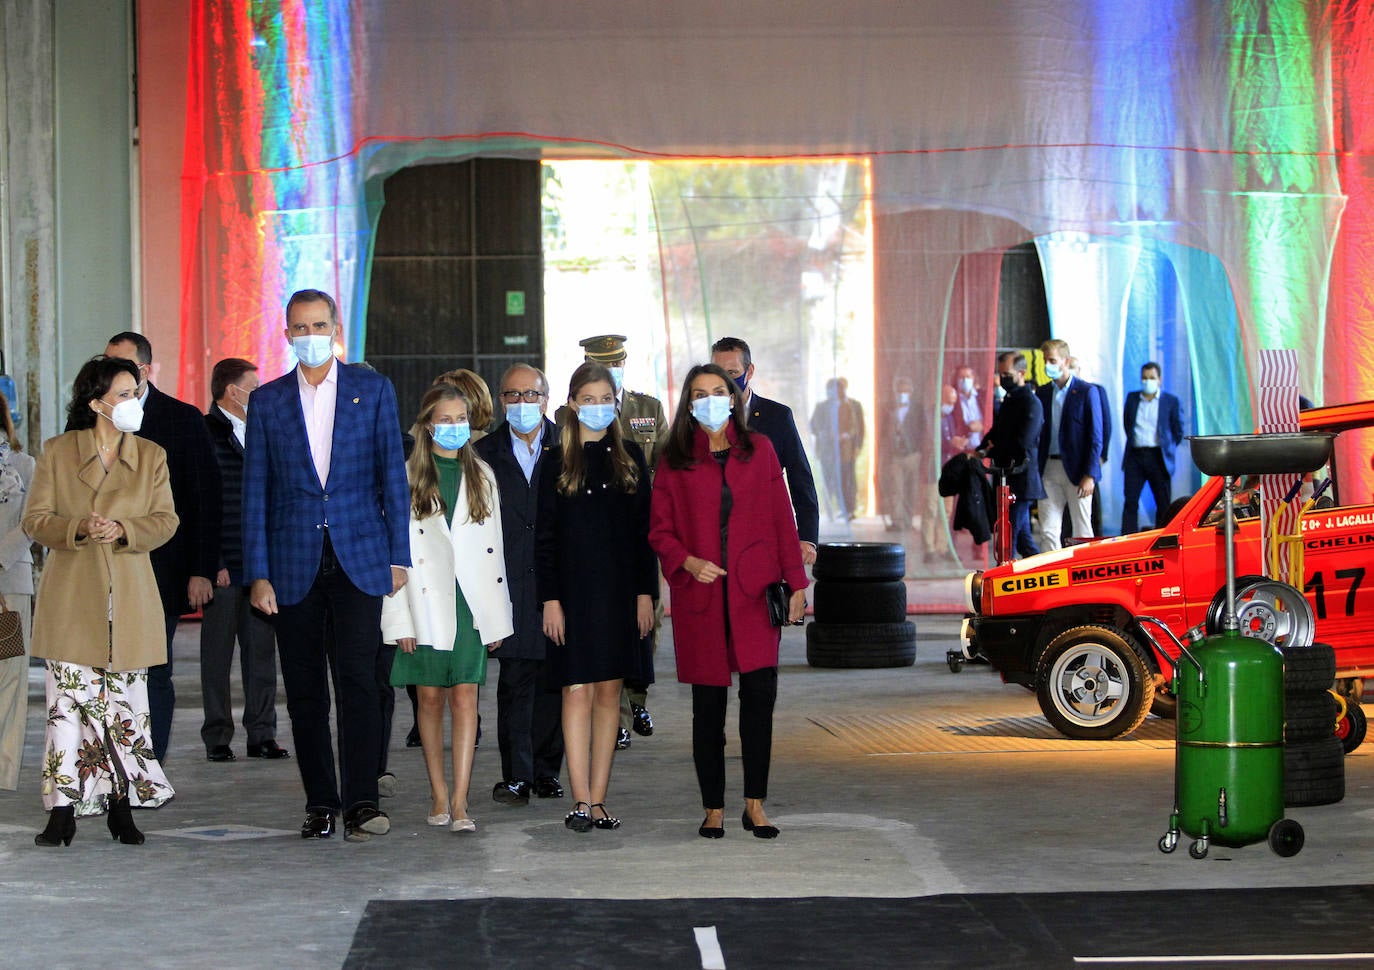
(363,824)
(318,824)
(413,738)
(61,827)
(269,749)
(548,788)
(760,831)
(607,821)
(643,723)
(221,752)
(710,831)
(578,820)
(121,822)
(512,792)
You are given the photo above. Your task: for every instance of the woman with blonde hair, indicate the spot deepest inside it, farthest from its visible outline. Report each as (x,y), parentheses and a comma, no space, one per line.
(454,608)
(597,579)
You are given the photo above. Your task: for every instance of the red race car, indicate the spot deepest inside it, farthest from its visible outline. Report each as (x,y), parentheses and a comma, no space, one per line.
(1063,623)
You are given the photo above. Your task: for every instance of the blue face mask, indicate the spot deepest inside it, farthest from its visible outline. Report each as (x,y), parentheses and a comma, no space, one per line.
(596,417)
(1150,385)
(712,412)
(617,377)
(523,417)
(1053,371)
(313,349)
(966,386)
(451,437)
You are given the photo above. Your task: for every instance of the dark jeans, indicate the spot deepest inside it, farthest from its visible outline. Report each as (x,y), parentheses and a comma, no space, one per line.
(162,695)
(228,617)
(1144,466)
(529,713)
(1022,538)
(335,631)
(386,700)
(758,690)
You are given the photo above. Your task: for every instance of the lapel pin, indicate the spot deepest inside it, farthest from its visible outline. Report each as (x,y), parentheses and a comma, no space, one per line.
(355,400)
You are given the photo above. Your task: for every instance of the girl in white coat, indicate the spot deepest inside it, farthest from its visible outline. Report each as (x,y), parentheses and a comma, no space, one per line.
(454,607)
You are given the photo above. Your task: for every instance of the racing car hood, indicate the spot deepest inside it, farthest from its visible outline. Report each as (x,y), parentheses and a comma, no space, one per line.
(1048,570)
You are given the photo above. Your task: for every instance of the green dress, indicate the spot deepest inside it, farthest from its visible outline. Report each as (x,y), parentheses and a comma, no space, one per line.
(466,663)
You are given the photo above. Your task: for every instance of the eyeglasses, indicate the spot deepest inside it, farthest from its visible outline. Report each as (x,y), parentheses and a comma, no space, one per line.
(512,397)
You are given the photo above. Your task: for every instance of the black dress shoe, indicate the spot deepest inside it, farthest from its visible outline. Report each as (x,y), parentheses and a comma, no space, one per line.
(413,738)
(622,740)
(760,831)
(318,824)
(642,723)
(363,824)
(548,788)
(268,749)
(512,792)
(220,752)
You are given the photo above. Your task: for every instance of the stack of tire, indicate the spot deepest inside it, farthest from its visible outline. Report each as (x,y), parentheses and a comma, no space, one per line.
(859,597)
(1313,754)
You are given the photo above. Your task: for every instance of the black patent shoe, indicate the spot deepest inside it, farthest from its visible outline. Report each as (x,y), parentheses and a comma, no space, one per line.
(577,819)
(622,740)
(548,788)
(363,824)
(318,824)
(269,749)
(512,792)
(121,822)
(760,831)
(607,820)
(643,723)
(61,827)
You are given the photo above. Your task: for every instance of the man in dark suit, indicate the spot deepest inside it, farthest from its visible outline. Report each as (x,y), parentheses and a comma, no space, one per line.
(1013,443)
(775,421)
(184,566)
(228,617)
(1153,431)
(528,711)
(1070,447)
(325,516)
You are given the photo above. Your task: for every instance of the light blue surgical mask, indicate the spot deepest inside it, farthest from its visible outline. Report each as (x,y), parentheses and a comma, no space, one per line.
(966,386)
(451,437)
(712,412)
(596,417)
(1053,371)
(523,417)
(313,349)
(1150,385)
(617,377)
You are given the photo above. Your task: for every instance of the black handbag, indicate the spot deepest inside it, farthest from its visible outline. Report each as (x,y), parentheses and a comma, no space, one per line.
(776,595)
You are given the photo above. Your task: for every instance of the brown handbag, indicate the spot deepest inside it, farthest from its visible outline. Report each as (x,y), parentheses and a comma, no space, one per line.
(11,633)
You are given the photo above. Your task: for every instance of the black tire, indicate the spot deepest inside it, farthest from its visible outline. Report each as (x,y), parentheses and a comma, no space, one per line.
(1314,772)
(1351,728)
(1093,683)
(1308,715)
(1165,704)
(860,561)
(855,645)
(1309,668)
(1268,610)
(837,601)
(1286,838)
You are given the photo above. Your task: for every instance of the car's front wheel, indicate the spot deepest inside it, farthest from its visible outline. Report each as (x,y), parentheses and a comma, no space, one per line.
(1093,684)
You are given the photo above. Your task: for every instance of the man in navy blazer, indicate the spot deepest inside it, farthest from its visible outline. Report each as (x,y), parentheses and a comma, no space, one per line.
(775,421)
(325,514)
(1153,431)
(1070,447)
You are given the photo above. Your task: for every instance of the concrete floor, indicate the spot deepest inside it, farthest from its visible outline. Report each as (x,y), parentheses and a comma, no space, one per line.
(919,782)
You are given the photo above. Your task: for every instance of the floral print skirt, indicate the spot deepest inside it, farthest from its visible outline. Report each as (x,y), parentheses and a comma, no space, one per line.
(98,746)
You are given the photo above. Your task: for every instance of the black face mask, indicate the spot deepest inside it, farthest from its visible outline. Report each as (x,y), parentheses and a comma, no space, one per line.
(1007,381)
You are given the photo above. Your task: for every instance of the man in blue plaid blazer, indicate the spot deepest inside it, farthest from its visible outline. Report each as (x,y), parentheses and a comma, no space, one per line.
(325,512)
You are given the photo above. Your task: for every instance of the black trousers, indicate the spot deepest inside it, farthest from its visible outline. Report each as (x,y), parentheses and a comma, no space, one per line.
(529,715)
(1144,466)
(386,701)
(227,618)
(334,632)
(162,696)
(758,691)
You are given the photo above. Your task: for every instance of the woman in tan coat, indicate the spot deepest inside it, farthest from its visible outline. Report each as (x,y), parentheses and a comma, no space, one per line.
(100,501)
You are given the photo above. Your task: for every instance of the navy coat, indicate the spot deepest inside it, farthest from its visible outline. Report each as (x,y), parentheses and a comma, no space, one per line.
(1014,438)
(1169,429)
(1080,429)
(775,421)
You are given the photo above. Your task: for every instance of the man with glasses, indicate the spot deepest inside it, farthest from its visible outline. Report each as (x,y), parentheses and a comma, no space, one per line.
(528,711)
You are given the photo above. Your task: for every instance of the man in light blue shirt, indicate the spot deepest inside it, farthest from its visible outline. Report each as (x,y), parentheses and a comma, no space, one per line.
(1153,431)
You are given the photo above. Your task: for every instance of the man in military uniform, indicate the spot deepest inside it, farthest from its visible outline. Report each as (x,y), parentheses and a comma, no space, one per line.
(642,421)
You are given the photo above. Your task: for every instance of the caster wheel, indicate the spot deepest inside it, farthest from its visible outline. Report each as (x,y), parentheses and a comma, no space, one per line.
(955,660)
(1168,842)
(1286,838)
(1198,850)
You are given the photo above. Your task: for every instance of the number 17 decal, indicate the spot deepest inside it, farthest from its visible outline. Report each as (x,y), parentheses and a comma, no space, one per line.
(1317,585)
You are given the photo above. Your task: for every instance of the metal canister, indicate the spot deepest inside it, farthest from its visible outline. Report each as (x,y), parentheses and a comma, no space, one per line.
(1229,772)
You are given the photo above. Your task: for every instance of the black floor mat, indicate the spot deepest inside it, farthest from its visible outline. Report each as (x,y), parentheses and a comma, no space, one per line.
(1023,930)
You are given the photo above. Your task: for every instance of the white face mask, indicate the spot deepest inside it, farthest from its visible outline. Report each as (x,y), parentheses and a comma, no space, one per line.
(126,415)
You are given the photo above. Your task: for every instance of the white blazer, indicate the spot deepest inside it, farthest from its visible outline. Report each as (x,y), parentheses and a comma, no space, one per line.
(472,556)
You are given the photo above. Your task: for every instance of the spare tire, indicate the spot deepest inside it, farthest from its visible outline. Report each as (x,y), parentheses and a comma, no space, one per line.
(1308,715)
(861,644)
(860,561)
(875,602)
(1314,772)
(1311,667)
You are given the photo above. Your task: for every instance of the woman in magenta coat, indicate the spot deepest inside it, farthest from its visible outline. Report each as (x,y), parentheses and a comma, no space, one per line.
(723,528)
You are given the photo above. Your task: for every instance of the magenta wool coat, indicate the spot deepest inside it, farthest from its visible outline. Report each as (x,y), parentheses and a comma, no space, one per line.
(762,547)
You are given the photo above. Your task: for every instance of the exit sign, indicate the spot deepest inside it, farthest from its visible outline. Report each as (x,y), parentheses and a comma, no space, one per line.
(515,303)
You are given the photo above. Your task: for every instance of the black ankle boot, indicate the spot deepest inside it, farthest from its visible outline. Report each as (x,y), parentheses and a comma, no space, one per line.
(61,827)
(121,822)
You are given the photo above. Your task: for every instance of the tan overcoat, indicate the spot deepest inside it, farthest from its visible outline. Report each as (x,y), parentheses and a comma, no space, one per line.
(89,587)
